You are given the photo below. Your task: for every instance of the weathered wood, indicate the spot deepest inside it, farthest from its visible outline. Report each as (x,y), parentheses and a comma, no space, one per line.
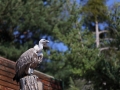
(2,67)
(29,83)
(5,73)
(9,80)
(5,88)
(7,63)
(40,85)
(9,85)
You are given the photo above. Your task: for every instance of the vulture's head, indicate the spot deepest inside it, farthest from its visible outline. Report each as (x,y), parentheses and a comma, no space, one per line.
(43,42)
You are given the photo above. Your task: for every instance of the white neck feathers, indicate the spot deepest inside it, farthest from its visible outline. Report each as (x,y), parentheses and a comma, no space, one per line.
(36,47)
(40,45)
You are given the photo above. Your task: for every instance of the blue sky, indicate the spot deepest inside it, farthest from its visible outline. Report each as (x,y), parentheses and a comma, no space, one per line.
(111,2)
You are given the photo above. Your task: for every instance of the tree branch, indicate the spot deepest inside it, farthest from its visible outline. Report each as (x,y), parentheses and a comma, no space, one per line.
(106,48)
(103,31)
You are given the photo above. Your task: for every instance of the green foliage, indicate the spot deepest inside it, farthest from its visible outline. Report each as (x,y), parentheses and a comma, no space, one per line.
(95,10)
(72,85)
(114,26)
(81,55)
(9,51)
(29,14)
(22,15)
(13,51)
(106,73)
(80,84)
(82,47)
(83,59)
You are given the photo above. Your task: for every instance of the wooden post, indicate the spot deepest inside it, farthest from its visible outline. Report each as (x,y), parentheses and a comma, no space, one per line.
(29,83)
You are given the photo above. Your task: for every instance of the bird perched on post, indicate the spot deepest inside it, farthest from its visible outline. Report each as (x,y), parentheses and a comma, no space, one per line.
(29,60)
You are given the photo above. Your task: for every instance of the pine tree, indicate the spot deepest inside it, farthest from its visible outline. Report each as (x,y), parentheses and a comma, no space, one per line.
(95,12)
(80,84)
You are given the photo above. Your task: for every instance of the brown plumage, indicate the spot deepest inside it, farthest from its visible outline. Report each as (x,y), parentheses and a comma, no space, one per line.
(29,60)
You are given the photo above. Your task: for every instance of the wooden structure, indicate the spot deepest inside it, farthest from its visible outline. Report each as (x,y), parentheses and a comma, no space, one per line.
(45,82)
(30,83)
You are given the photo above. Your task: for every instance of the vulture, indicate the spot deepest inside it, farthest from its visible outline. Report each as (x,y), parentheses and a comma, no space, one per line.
(29,60)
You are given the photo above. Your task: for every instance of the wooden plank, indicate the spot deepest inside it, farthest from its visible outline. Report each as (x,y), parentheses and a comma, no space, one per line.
(44,78)
(9,85)
(7,74)
(7,69)
(7,60)
(7,63)
(50,85)
(56,87)
(7,79)
(47,87)
(5,88)
(54,84)
(45,82)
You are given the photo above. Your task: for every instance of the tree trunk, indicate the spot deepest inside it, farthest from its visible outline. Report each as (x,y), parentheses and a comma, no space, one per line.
(97,34)
(29,83)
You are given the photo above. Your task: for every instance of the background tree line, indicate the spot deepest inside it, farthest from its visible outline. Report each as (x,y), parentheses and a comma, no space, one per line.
(89,29)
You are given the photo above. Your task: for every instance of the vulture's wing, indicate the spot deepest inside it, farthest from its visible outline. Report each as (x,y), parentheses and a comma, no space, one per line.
(24,62)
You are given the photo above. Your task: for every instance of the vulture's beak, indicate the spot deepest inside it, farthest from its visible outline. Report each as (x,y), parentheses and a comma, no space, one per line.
(45,43)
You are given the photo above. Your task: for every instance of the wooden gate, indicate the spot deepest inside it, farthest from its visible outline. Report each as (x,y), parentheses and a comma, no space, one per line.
(45,82)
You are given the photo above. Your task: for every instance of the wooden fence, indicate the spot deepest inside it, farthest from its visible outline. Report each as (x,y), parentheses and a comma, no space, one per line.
(45,82)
